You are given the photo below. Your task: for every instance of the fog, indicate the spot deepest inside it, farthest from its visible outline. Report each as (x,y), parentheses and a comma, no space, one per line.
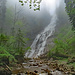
(33,22)
(37,19)
(46,5)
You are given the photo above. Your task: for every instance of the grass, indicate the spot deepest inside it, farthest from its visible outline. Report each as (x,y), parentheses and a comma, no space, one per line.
(64,61)
(71,64)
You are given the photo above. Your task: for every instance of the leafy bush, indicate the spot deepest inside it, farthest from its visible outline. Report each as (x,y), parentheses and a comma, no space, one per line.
(12,46)
(3,39)
(6,56)
(64,46)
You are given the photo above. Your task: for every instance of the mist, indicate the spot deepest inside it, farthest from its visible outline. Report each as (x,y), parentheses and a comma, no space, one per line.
(34,22)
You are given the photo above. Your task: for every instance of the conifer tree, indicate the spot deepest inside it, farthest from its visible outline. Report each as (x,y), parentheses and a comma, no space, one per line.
(20,43)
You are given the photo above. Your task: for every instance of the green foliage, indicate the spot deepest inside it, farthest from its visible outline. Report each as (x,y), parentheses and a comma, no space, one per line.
(11,46)
(20,43)
(19,23)
(70,7)
(60,48)
(71,43)
(34,3)
(64,45)
(6,55)
(3,39)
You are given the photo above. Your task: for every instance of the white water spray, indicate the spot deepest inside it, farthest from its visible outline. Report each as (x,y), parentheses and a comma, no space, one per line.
(38,45)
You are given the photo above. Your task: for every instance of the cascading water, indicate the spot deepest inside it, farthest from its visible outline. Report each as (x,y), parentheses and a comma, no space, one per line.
(38,45)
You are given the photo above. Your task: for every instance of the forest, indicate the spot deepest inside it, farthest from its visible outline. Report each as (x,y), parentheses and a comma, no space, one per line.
(37,37)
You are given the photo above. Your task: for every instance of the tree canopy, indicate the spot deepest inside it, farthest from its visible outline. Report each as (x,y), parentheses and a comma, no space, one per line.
(70,7)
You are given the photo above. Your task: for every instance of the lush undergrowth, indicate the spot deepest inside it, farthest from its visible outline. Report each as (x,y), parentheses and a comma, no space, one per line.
(12,48)
(64,45)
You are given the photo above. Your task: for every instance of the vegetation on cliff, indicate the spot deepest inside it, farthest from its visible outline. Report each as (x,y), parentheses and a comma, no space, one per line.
(64,48)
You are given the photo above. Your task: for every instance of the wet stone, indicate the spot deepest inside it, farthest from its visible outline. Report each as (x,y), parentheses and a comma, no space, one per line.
(43,67)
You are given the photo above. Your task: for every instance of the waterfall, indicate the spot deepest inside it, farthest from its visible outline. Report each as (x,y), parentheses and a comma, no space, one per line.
(39,43)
